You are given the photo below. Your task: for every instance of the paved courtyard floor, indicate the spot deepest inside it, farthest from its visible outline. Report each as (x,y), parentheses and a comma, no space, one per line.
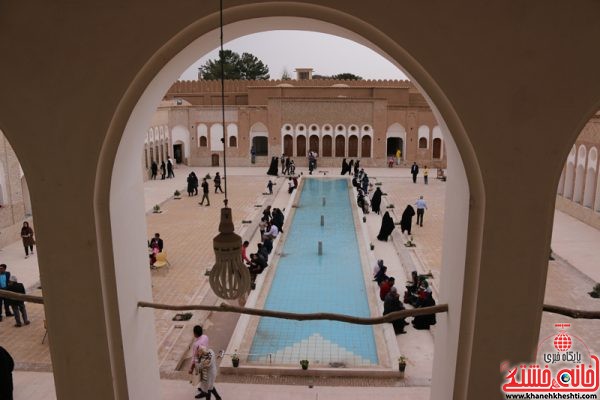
(188,229)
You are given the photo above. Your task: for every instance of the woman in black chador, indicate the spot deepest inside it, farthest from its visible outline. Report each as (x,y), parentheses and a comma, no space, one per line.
(273,169)
(406,221)
(356,167)
(387,226)
(376,201)
(345,167)
(350,167)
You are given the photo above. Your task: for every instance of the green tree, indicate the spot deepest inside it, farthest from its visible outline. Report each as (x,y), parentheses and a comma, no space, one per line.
(347,76)
(235,67)
(285,75)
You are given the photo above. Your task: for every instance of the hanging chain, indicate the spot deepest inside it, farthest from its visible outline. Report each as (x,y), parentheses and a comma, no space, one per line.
(222,58)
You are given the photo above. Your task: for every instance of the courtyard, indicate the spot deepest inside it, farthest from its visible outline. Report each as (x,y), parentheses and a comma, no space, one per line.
(188,229)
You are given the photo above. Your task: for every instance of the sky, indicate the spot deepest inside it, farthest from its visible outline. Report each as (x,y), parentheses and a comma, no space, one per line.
(287,50)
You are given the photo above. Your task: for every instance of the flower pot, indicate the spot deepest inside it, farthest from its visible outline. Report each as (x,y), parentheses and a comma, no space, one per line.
(364,219)
(235,362)
(304,366)
(372,246)
(401,368)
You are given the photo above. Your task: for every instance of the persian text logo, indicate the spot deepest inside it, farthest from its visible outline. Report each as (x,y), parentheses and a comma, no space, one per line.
(561,368)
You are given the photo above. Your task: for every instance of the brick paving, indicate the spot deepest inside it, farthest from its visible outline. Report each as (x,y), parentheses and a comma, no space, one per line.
(188,230)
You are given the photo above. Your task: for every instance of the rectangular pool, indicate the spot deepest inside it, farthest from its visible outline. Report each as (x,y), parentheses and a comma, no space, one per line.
(307,282)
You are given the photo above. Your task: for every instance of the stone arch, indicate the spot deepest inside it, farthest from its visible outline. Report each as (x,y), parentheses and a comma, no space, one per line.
(340,145)
(365,148)
(423,136)
(180,135)
(396,139)
(259,135)
(579,174)
(202,134)
(157,77)
(232,134)
(216,137)
(353,144)
(301,146)
(313,143)
(590,178)
(437,148)
(327,145)
(570,174)
(288,145)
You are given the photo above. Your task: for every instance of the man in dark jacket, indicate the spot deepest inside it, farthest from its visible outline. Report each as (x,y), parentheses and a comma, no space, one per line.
(6,368)
(156,241)
(18,307)
(4,277)
(414,170)
(205,193)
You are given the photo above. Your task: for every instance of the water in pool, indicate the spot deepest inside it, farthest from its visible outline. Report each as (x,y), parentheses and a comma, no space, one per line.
(306,282)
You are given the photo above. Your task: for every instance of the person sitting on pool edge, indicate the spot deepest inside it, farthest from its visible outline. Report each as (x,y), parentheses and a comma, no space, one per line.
(392,303)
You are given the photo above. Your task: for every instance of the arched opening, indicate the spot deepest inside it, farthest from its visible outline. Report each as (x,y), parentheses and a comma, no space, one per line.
(288,146)
(260,139)
(202,133)
(261,145)
(340,146)
(570,174)
(579,175)
(180,137)
(216,137)
(120,202)
(422,143)
(232,134)
(232,141)
(437,148)
(396,138)
(365,150)
(301,146)
(327,146)
(203,141)
(423,133)
(590,179)
(313,143)
(353,145)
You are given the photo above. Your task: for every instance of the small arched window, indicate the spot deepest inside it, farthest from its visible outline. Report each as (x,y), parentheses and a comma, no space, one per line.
(203,141)
(422,143)
(232,141)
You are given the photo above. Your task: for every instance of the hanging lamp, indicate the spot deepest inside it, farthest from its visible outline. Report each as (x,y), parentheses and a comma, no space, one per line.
(229,278)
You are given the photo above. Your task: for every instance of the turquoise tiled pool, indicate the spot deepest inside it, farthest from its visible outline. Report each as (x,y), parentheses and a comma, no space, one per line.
(306,282)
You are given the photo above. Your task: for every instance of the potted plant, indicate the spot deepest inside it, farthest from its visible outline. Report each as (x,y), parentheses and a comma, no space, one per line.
(595,293)
(391,206)
(235,359)
(402,365)
(177,195)
(156,209)
(372,246)
(304,364)
(410,242)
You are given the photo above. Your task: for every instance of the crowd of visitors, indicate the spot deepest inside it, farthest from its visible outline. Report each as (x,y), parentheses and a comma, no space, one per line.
(270,227)
(166,169)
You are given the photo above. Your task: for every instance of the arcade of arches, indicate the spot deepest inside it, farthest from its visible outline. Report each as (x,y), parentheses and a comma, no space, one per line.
(491,78)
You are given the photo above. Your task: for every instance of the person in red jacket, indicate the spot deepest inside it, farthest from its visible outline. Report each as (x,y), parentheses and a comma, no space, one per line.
(385,287)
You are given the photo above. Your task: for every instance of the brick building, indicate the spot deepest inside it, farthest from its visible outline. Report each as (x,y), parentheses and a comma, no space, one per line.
(367,120)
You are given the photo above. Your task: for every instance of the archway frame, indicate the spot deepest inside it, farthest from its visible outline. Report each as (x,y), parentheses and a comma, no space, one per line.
(140,101)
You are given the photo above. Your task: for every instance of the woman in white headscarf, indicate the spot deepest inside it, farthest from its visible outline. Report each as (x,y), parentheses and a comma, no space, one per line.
(207,368)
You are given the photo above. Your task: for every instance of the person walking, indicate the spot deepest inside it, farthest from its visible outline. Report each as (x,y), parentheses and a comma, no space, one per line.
(283,164)
(7,365)
(163,170)
(204,193)
(4,278)
(170,173)
(252,154)
(270,186)
(414,170)
(190,184)
(153,169)
(18,306)
(207,365)
(194,183)
(200,341)
(27,237)
(425,174)
(421,206)
(217,181)
(398,156)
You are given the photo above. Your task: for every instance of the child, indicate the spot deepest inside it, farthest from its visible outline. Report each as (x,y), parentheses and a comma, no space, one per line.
(270,186)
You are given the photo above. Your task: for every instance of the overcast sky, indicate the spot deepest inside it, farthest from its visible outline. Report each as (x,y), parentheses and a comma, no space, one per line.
(327,54)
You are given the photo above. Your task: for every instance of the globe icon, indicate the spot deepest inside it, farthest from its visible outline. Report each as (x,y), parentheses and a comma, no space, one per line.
(565,378)
(562,342)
